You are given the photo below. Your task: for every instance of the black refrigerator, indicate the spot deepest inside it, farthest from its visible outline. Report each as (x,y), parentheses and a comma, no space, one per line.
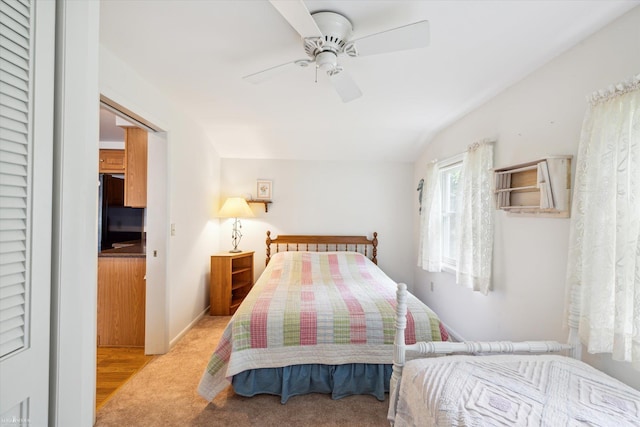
(117,223)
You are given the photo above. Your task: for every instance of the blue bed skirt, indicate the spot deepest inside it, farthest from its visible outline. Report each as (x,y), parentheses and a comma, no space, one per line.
(338,380)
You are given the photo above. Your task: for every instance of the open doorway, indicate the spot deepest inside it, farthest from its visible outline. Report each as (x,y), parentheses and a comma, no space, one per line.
(132,224)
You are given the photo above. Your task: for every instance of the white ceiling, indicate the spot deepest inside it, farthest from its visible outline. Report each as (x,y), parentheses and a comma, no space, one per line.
(197,52)
(109,132)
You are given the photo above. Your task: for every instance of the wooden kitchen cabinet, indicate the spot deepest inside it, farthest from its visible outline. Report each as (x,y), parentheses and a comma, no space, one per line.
(135,149)
(121,301)
(231,280)
(111,161)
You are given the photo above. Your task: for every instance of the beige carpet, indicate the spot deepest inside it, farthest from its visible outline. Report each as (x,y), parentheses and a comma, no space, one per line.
(164,393)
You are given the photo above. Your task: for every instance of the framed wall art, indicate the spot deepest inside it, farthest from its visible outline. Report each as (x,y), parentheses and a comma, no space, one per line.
(264,190)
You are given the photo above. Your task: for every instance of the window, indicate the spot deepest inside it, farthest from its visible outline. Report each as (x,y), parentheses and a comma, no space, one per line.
(456,226)
(450,193)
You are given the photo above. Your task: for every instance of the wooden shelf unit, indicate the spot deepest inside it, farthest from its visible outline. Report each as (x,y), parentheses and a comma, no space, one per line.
(231,280)
(539,188)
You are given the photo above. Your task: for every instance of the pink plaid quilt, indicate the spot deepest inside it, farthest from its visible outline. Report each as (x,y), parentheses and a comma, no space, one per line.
(315,307)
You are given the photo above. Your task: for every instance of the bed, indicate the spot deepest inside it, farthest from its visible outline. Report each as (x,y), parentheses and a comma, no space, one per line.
(482,387)
(319,319)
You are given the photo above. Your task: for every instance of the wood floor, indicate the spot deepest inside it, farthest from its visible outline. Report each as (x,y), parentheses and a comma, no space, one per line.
(115,366)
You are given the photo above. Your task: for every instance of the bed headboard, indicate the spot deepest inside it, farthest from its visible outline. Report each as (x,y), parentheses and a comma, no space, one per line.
(324,243)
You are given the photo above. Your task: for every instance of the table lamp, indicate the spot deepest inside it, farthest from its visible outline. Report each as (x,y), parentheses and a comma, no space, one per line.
(235,207)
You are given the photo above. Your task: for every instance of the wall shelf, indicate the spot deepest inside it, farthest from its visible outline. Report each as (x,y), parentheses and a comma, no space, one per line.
(265,202)
(538,188)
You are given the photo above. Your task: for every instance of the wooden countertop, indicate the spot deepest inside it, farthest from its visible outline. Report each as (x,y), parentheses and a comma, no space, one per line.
(126,250)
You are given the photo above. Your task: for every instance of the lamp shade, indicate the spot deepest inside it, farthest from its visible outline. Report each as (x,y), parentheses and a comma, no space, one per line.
(235,207)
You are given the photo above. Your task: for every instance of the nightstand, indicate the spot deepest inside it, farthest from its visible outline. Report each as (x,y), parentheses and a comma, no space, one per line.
(231,280)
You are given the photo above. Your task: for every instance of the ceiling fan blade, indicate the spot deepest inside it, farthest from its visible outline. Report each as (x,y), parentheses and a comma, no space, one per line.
(263,75)
(410,36)
(345,86)
(298,16)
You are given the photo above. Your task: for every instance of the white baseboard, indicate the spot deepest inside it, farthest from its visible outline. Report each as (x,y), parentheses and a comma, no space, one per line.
(189,326)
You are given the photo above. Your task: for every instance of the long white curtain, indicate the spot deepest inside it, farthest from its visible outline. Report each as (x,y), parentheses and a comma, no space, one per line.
(430,247)
(604,242)
(475,227)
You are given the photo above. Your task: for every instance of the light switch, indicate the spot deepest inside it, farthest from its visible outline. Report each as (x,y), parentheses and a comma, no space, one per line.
(173,229)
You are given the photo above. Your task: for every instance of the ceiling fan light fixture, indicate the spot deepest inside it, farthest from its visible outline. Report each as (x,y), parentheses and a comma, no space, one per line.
(326,35)
(335,28)
(326,60)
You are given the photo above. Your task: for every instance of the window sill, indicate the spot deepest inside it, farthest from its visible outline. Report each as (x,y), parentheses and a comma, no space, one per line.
(448,269)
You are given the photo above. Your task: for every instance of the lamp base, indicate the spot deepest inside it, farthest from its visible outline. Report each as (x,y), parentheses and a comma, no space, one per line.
(235,251)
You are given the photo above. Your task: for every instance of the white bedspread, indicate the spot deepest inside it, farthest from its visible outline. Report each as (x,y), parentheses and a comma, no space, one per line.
(512,390)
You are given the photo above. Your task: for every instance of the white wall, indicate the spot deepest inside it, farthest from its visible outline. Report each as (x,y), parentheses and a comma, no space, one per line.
(193,177)
(538,116)
(326,197)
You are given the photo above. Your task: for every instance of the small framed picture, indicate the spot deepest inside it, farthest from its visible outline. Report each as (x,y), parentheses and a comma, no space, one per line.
(264,189)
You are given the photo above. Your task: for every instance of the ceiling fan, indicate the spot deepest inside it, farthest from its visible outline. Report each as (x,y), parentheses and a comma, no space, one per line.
(326,35)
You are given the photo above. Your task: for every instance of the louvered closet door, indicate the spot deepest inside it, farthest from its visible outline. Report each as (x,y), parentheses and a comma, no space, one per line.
(26,143)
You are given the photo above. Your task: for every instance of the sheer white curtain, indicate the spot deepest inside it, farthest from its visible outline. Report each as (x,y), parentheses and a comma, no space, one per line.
(475,227)
(430,246)
(604,242)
